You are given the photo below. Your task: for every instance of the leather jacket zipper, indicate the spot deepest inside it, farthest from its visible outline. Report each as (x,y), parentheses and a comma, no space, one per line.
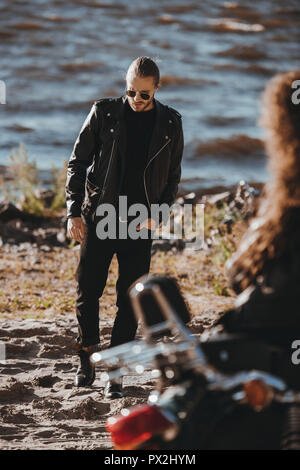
(110,159)
(107,171)
(147,167)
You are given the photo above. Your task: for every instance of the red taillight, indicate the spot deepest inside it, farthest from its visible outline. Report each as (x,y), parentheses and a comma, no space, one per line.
(257,394)
(141,423)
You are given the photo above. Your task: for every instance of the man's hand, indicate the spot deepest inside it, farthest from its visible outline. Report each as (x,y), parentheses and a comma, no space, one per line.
(148,223)
(75,229)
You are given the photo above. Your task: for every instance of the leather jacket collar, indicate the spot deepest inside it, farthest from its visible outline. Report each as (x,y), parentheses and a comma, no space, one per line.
(160,131)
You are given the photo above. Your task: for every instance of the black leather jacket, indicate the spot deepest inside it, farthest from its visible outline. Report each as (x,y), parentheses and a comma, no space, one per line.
(101,146)
(270,306)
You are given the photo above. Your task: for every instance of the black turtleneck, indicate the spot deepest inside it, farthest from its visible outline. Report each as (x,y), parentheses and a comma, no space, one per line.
(139,129)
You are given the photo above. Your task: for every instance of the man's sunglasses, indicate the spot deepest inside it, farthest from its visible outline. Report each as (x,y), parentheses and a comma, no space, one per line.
(132,94)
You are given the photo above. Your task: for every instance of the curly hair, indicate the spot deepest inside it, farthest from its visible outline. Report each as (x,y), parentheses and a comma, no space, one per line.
(276,228)
(145,67)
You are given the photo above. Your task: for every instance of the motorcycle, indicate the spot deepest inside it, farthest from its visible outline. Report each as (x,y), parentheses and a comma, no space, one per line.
(219,391)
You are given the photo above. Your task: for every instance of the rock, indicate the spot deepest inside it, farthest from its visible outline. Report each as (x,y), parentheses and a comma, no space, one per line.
(218,198)
(244,198)
(180,200)
(12,235)
(45,195)
(167,245)
(190,198)
(9,211)
(61,236)
(228,221)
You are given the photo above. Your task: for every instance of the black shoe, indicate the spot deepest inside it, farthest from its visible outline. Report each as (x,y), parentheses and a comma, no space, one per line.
(85,374)
(113,390)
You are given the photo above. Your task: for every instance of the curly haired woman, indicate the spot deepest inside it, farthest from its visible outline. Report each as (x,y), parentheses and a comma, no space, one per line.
(265,270)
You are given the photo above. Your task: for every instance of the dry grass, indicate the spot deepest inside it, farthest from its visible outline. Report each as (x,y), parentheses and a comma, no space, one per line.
(23,187)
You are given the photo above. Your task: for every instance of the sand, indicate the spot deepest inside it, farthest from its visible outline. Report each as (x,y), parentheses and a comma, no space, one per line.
(39,406)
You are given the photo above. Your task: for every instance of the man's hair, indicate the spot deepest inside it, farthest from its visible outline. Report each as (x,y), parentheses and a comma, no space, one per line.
(144,67)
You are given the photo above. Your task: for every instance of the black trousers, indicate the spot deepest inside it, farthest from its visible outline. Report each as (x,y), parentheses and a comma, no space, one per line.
(134,257)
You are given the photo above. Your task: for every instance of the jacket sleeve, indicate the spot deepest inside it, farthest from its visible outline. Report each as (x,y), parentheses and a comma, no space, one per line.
(170,191)
(81,158)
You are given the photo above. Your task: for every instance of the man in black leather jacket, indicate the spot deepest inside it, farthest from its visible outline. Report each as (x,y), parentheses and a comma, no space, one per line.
(107,146)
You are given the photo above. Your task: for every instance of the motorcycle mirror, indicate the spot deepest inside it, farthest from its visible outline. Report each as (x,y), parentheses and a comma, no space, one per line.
(158,303)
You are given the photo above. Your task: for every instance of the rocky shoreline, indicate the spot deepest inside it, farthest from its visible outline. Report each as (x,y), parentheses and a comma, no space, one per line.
(18,226)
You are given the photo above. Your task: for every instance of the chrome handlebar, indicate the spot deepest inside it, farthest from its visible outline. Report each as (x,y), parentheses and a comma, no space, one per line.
(184,354)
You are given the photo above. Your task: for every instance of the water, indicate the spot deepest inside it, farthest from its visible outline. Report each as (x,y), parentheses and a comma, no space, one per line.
(57,57)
